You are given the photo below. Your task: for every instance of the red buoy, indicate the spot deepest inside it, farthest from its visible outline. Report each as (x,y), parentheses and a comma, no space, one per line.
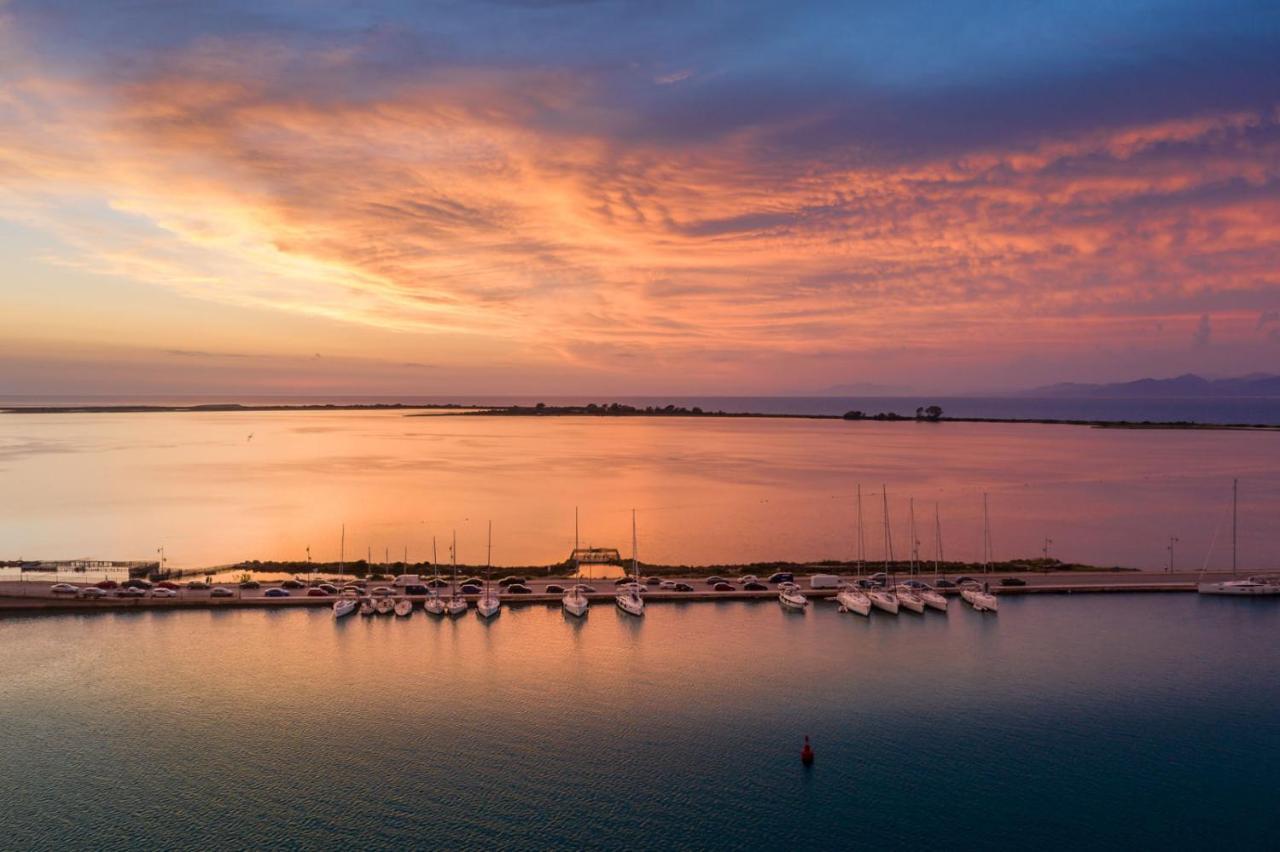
(806,754)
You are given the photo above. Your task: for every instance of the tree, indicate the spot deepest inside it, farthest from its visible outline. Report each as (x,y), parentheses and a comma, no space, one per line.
(934,412)
(853,415)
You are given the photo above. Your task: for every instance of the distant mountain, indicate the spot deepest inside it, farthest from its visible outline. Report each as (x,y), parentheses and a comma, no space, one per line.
(1187,385)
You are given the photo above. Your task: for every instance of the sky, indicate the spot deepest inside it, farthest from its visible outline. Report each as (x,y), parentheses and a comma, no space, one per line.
(534,196)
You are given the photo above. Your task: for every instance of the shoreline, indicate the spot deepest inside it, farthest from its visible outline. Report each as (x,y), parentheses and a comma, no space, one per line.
(616,410)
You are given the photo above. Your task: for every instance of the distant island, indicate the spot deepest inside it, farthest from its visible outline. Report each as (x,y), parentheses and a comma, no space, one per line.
(1185,386)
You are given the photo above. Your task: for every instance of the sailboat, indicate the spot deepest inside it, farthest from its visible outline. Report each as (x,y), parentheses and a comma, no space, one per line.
(850,597)
(433,605)
(488,605)
(1256,586)
(455,604)
(907,595)
(932,597)
(575,600)
(883,598)
(404,606)
(628,598)
(979,596)
(345,606)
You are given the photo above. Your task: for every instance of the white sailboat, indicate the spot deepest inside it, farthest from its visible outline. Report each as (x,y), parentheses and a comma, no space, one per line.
(882,597)
(367,607)
(908,598)
(979,596)
(345,606)
(489,604)
(850,597)
(575,600)
(629,599)
(1255,586)
(455,604)
(433,605)
(384,606)
(932,597)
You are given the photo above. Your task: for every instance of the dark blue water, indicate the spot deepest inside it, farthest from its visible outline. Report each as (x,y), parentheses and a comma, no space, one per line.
(1085,721)
(1219,410)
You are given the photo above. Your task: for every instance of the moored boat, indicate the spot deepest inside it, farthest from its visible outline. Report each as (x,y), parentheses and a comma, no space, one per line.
(403,607)
(629,599)
(345,606)
(790,597)
(852,599)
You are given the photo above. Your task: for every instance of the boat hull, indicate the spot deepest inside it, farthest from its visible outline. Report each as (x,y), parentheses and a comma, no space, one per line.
(980,601)
(630,605)
(794,602)
(933,600)
(576,606)
(488,607)
(1240,588)
(884,602)
(403,608)
(911,602)
(855,603)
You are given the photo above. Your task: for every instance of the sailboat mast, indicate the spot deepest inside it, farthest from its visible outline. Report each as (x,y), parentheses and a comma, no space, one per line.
(488,558)
(986,536)
(911,511)
(862,548)
(635,563)
(888,533)
(937,542)
(1235,495)
(342,551)
(453,560)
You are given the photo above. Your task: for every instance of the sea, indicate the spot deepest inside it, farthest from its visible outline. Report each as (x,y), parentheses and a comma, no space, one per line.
(1119,721)
(207,489)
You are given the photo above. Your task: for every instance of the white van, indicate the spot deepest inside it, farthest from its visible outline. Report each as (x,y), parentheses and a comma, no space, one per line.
(407,580)
(824,581)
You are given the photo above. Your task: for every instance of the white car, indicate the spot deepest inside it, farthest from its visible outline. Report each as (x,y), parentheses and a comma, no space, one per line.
(131,592)
(93,592)
(667,585)
(221,592)
(163,593)
(750,578)
(63,589)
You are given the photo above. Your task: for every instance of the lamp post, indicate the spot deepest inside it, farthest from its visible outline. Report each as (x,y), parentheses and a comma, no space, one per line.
(1045,550)
(1172,541)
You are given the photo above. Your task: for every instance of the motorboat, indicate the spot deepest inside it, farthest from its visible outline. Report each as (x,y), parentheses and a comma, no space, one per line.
(345,606)
(1249,587)
(853,599)
(790,596)
(909,599)
(403,607)
(883,599)
(979,597)
(575,601)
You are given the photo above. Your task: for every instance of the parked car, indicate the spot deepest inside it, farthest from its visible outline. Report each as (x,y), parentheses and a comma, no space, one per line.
(162,592)
(782,577)
(683,587)
(470,589)
(711,581)
(555,589)
(437,582)
(476,581)
(328,587)
(653,581)
(221,592)
(277,593)
(93,593)
(292,584)
(622,581)
(136,583)
(864,583)
(167,584)
(880,577)
(408,590)
(251,584)
(1013,581)
(131,592)
(754,587)
(108,584)
(318,593)
(750,578)
(668,585)
(381,591)
(961,580)
(519,589)
(511,581)
(198,586)
(591,590)
(723,587)
(63,589)
(944,584)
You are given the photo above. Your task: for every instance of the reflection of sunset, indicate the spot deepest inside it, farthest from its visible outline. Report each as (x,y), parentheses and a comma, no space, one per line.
(484,223)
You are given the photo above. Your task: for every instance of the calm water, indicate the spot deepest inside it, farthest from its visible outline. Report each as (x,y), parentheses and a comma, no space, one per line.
(1120,721)
(221,487)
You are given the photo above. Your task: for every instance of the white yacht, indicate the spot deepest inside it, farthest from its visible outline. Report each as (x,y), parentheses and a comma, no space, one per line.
(979,598)
(488,604)
(1255,586)
(575,601)
(883,599)
(1249,586)
(345,606)
(853,599)
(790,596)
(629,599)
(909,599)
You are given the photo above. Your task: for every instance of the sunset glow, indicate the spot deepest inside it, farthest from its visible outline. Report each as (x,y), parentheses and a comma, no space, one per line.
(545,197)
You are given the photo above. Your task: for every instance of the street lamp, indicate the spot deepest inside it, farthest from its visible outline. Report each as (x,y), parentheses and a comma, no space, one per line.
(1172,540)
(1045,550)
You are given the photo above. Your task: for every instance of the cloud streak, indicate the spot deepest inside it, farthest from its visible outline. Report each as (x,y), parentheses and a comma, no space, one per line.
(517,201)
